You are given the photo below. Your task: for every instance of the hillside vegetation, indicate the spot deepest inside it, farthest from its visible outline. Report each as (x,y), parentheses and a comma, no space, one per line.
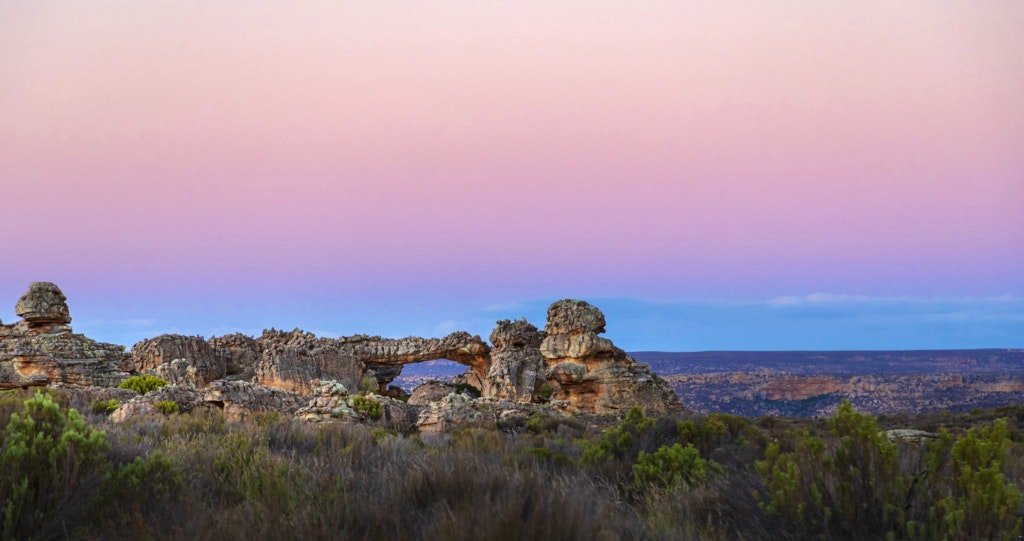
(65,474)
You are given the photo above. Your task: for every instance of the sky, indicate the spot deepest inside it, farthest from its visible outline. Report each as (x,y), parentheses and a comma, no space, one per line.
(713,175)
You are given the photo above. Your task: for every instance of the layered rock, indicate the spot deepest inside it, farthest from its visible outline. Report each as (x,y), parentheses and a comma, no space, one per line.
(516,361)
(43,305)
(590,373)
(568,367)
(42,350)
(182,360)
(293,360)
(238,399)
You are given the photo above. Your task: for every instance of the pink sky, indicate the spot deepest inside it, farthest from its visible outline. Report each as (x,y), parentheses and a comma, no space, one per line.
(659,150)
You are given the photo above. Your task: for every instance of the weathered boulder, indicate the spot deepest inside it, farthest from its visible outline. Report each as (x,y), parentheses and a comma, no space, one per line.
(331,401)
(187,399)
(455,411)
(183,360)
(44,304)
(239,399)
(516,361)
(431,391)
(590,373)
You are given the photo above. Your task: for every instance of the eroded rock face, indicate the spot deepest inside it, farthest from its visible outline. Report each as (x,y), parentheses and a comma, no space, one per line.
(42,350)
(182,360)
(44,304)
(239,399)
(590,373)
(567,368)
(516,361)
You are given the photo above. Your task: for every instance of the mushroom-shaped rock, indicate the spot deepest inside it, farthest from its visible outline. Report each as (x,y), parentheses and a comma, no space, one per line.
(43,304)
(589,373)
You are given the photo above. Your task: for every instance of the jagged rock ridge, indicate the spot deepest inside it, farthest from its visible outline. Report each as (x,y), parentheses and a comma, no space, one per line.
(564,369)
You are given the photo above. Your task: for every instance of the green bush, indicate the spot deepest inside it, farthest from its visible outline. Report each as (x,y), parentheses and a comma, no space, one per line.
(367,406)
(104,407)
(47,457)
(467,389)
(138,487)
(849,485)
(970,496)
(617,443)
(672,467)
(143,384)
(546,391)
(166,407)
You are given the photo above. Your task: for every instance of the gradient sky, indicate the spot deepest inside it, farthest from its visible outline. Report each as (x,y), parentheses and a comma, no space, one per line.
(714,175)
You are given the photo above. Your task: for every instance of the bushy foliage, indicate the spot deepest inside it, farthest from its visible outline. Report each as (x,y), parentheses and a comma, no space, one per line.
(467,389)
(969,496)
(143,383)
(47,458)
(850,485)
(618,442)
(198,476)
(367,406)
(166,407)
(673,466)
(104,407)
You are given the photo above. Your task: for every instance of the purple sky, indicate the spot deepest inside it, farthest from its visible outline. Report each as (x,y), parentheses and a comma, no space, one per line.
(405,168)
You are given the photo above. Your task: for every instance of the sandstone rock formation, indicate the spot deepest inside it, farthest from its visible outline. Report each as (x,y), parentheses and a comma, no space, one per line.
(44,304)
(516,361)
(589,372)
(181,360)
(42,350)
(567,368)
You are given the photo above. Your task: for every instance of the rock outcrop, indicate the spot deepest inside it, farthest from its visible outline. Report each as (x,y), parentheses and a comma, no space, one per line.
(181,360)
(42,350)
(516,361)
(43,305)
(565,369)
(589,372)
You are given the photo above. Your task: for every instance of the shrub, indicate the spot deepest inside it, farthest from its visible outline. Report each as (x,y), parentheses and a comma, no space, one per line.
(618,442)
(971,496)
(104,407)
(143,384)
(139,484)
(546,391)
(467,389)
(45,461)
(368,384)
(166,407)
(367,406)
(850,485)
(672,467)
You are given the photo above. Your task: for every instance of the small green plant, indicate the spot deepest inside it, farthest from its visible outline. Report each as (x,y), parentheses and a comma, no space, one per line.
(546,391)
(143,383)
(672,467)
(166,407)
(368,384)
(104,407)
(615,443)
(467,389)
(367,406)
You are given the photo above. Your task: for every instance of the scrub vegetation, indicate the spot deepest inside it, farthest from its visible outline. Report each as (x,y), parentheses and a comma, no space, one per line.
(65,474)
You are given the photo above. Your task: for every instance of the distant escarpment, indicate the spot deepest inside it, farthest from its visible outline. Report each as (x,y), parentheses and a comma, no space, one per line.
(565,369)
